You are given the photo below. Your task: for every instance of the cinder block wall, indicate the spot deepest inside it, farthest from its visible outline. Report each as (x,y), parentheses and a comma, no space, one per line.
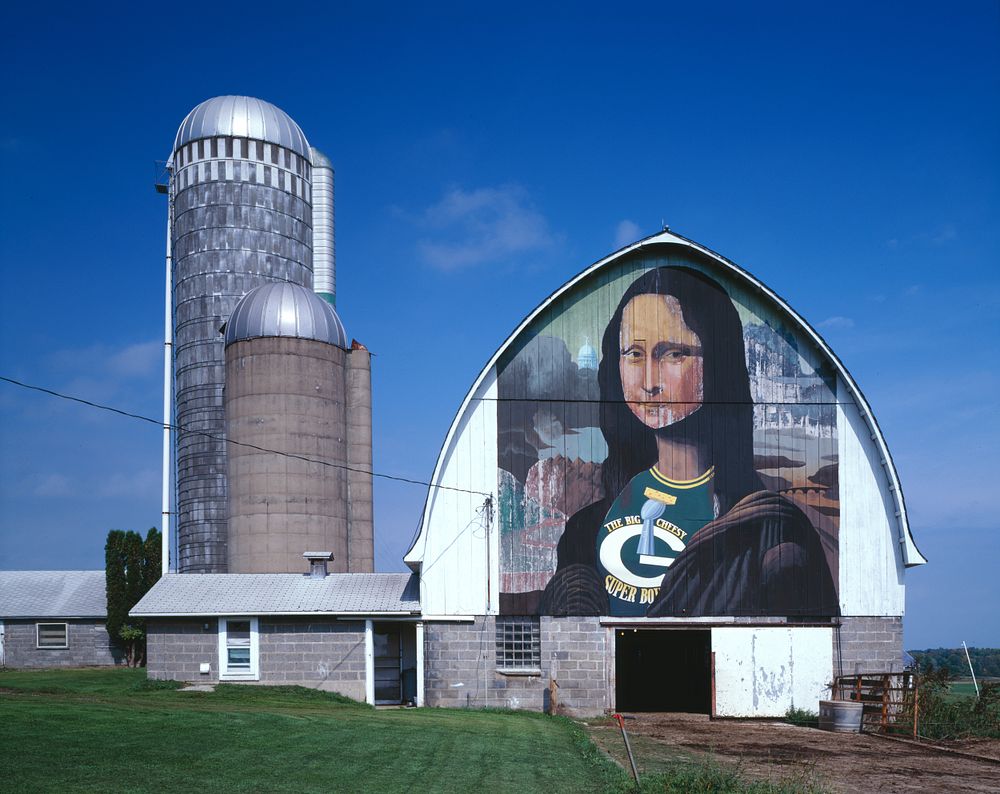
(321,655)
(176,648)
(460,667)
(868,645)
(327,655)
(89,645)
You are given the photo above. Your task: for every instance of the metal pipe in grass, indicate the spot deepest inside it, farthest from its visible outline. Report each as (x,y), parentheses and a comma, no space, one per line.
(628,747)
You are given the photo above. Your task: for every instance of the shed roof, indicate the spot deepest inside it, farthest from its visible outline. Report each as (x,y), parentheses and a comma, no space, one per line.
(53,594)
(209,594)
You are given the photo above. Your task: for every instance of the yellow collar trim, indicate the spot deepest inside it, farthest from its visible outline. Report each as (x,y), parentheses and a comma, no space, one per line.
(683,484)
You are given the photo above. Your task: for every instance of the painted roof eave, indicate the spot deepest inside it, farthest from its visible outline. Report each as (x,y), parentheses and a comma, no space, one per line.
(911,554)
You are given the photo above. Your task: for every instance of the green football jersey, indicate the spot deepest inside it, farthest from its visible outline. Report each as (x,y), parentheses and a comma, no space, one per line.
(648,525)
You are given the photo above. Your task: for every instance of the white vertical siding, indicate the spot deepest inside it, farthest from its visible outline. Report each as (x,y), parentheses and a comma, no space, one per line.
(764,671)
(871,557)
(455,559)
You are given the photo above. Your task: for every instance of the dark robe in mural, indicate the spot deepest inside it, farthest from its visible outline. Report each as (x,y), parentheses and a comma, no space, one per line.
(762,558)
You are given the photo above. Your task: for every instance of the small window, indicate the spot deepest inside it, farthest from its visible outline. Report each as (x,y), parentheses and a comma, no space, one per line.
(238,648)
(518,643)
(52,635)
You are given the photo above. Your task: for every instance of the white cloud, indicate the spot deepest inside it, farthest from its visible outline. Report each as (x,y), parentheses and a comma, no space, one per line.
(473,227)
(626,232)
(54,485)
(136,360)
(145,482)
(837,322)
(945,234)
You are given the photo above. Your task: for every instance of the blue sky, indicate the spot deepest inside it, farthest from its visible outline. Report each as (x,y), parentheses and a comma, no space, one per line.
(846,154)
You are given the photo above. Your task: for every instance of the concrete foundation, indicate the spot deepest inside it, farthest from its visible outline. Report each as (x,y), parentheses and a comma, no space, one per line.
(460,667)
(868,645)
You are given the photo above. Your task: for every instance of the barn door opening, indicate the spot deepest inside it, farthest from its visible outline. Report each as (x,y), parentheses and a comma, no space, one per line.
(663,670)
(395,651)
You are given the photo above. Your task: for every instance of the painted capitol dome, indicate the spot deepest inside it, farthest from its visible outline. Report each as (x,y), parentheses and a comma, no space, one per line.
(586,358)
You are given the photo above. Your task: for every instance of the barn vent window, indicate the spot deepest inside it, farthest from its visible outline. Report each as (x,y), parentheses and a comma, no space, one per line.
(52,635)
(518,643)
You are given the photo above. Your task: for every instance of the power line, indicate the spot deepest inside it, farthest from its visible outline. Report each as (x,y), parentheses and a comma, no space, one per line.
(179,429)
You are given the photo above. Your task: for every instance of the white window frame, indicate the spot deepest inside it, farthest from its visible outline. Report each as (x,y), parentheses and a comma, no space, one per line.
(38,635)
(253,674)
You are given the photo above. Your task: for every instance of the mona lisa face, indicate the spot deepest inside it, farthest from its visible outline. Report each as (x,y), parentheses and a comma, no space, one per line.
(662,369)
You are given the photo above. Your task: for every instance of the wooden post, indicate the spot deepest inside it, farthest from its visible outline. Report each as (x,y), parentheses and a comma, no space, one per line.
(712,713)
(886,683)
(916,704)
(553,697)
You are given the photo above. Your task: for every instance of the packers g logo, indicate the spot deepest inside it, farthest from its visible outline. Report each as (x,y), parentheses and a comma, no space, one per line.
(621,549)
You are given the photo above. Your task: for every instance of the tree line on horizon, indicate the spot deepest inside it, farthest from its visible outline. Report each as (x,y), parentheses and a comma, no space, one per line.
(985,661)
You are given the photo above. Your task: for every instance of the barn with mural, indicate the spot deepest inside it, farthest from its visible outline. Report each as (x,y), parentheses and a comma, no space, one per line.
(663,492)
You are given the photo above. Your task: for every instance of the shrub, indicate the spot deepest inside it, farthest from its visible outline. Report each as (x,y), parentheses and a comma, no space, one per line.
(940,716)
(802,717)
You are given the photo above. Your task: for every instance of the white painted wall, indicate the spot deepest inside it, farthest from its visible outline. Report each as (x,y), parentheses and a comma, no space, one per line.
(764,671)
(871,555)
(456,565)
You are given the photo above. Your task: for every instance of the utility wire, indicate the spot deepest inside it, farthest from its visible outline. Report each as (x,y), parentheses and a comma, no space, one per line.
(214,437)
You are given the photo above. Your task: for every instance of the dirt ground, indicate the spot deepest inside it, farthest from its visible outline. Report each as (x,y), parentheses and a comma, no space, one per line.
(776,750)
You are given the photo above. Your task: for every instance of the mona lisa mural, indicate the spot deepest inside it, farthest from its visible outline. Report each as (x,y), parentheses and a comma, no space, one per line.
(686,468)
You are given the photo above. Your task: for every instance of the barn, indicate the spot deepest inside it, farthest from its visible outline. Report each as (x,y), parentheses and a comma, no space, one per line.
(664,491)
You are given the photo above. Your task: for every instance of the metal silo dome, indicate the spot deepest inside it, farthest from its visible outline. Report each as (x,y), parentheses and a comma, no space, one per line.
(242,117)
(288,310)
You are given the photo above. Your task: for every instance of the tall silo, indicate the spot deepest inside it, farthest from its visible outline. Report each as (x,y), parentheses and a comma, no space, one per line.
(290,381)
(324,251)
(241,217)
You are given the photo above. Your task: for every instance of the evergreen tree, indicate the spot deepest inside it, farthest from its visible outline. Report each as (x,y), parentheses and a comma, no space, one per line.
(132,567)
(114,572)
(151,559)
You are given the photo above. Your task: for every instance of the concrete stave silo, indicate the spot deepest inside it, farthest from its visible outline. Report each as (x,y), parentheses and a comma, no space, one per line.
(241,217)
(297,420)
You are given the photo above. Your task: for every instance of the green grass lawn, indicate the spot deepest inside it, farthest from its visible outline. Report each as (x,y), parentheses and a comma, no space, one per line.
(110,730)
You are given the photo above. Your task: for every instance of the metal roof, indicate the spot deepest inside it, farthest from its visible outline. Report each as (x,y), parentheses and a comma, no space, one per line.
(283,309)
(52,594)
(213,594)
(242,117)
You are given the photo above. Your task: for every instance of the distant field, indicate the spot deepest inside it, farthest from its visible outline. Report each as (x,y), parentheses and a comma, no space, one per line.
(111,731)
(963,687)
